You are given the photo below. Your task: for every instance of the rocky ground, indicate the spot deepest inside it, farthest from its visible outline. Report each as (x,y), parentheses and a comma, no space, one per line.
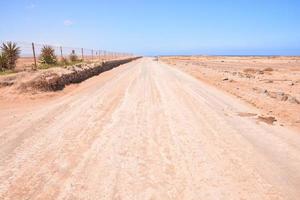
(271,84)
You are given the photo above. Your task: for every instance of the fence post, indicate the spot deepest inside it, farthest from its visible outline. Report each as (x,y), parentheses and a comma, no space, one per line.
(82,54)
(33,51)
(61,53)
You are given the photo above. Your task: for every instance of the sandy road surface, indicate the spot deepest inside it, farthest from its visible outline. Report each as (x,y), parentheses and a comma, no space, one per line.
(145,131)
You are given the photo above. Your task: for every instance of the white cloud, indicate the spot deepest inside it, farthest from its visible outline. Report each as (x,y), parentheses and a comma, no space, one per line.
(68,22)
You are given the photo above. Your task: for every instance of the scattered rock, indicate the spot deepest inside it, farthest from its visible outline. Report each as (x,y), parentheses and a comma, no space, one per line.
(249,76)
(225,79)
(281,96)
(267,120)
(260,90)
(291,84)
(278,95)
(294,100)
(260,72)
(5,83)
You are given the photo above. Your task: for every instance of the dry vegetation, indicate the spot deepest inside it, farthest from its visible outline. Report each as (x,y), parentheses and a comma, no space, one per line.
(55,78)
(271,84)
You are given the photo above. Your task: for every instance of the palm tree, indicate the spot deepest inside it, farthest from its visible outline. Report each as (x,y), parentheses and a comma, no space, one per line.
(48,55)
(12,53)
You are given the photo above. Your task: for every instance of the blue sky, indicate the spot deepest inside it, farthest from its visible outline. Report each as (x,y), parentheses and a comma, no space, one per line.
(269,27)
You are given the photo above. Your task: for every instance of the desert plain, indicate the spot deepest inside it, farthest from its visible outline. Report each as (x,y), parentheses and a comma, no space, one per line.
(269,83)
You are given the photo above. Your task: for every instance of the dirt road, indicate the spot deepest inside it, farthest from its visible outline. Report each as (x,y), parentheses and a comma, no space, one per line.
(145,131)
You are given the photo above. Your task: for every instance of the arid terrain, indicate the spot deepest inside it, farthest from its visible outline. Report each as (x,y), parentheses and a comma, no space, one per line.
(149,130)
(271,84)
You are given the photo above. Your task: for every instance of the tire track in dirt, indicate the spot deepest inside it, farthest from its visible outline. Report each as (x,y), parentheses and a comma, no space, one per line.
(147,131)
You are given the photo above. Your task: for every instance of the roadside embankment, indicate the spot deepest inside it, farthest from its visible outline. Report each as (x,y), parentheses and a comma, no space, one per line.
(57,78)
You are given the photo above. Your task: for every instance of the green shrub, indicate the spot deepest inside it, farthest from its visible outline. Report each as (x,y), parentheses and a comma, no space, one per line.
(10,53)
(48,55)
(73,56)
(6,72)
(3,61)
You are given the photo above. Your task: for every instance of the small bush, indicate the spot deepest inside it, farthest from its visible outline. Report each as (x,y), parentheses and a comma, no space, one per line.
(48,55)
(10,54)
(73,56)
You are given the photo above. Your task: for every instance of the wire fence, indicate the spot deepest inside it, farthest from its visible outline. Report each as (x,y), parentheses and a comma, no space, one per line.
(31,52)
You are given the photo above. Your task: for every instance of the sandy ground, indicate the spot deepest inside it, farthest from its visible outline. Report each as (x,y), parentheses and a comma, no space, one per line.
(144,130)
(272,84)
